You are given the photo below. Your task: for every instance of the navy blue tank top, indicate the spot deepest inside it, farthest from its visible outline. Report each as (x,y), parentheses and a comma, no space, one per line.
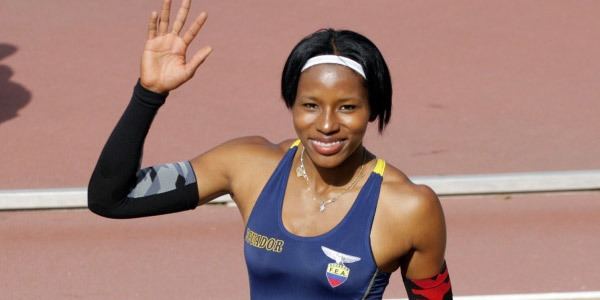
(338,264)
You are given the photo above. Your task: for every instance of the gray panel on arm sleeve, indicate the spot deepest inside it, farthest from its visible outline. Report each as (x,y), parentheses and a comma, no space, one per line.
(162,178)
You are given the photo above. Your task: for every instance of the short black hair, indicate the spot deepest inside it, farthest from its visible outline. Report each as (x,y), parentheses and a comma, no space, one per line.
(351,45)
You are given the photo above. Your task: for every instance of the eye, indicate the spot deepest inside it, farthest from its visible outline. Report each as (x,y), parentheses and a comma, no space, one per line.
(310,106)
(348,107)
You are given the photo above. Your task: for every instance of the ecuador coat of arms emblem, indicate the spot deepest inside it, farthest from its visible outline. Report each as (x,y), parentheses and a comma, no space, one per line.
(337,272)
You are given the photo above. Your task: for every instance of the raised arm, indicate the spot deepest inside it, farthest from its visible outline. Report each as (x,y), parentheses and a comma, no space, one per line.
(164,66)
(118,188)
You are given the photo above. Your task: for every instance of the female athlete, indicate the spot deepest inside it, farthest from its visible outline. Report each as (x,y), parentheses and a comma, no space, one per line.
(324,217)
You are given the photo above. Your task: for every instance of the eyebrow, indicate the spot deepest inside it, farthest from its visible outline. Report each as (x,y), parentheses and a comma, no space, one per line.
(337,100)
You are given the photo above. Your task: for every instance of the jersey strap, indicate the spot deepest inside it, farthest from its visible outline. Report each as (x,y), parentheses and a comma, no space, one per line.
(379,167)
(295,144)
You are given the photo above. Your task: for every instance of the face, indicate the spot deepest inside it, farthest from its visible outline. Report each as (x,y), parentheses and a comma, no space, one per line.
(330,113)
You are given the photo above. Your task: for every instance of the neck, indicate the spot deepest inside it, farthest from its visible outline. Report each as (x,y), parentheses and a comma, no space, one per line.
(324,179)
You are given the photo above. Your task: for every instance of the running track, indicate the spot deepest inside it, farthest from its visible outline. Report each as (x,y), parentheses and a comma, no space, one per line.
(497,245)
(480,86)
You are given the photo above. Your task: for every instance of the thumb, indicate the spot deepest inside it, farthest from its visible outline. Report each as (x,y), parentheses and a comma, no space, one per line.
(198,58)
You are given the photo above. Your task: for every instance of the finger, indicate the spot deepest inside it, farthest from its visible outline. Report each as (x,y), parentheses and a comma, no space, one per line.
(181,16)
(195,28)
(163,26)
(197,60)
(152,25)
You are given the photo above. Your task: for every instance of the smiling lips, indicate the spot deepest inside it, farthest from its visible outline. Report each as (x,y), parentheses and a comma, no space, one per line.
(327,148)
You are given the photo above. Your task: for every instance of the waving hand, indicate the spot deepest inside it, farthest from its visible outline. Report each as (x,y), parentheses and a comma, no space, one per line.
(164,66)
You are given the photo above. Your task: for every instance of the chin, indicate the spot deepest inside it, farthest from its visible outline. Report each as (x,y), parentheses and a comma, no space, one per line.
(330,155)
(329,162)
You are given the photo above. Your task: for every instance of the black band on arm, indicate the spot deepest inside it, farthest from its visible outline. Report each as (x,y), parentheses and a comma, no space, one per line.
(113,190)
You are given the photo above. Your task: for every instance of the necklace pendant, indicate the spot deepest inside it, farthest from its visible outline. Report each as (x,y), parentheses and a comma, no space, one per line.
(322,207)
(300,171)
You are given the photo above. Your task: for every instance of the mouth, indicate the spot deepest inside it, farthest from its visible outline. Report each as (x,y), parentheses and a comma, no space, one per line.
(327,147)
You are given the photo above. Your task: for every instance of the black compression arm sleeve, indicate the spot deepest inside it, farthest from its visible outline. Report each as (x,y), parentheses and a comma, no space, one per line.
(115,173)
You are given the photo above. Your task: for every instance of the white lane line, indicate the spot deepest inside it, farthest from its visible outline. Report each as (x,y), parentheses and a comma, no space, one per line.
(43,198)
(57,198)
(447,185)
(592,295)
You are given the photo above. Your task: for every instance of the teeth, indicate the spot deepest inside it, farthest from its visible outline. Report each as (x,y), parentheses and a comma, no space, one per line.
(323,144)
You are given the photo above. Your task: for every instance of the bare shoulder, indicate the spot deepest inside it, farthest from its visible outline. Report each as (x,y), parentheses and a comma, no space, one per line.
(412,208)
(398,190)
(409,228)
(237,167)
(243,148)
(254,143)
(258,143)
(236,156)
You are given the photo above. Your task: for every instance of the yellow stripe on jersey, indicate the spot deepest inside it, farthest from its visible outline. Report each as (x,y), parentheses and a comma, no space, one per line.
(295,144)
(379,167)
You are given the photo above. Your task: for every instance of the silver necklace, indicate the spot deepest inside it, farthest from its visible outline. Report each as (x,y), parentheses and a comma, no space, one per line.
(301,172)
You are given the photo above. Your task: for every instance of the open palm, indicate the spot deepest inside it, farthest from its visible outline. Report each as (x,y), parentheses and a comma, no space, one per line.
(164,66)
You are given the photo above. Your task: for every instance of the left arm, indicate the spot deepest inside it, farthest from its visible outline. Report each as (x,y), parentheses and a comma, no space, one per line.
(424,269)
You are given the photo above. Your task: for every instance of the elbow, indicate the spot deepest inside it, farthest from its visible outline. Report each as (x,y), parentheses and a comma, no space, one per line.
(100,203)
(100,209)
(106,212)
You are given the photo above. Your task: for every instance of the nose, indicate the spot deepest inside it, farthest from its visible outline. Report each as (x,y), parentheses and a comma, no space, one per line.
(327,123)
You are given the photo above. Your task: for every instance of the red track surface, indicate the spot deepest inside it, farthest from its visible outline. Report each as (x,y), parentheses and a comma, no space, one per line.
(481,86)
(512,244)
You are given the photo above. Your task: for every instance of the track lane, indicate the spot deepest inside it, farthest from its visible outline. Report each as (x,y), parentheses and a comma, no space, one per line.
(513,244)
